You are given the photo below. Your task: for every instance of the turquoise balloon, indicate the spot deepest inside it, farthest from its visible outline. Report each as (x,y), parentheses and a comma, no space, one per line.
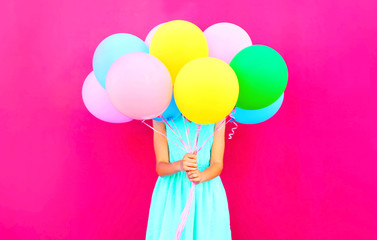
(259,115)
(110,49)
(172,112)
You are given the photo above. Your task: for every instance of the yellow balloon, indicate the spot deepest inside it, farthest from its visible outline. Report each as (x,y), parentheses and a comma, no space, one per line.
(206,90)
(176,43)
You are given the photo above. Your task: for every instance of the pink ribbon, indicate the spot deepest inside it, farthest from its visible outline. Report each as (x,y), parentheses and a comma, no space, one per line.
(187,148)
(187,130)
(161,134)
(185,213)
(216,130)
(180,136)
(186,210)
(231,115)
(198,128)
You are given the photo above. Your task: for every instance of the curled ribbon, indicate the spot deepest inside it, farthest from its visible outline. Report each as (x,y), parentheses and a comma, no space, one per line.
(232,120)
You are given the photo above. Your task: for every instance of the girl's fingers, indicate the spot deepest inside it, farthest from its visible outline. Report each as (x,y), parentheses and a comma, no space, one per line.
(192,165)
(193,175)
(190,168)
(191,160)
(194,179)
(196,171)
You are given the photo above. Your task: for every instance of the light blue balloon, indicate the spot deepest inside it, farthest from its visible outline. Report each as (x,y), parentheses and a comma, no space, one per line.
(111,48)
(259,115)
(172,112)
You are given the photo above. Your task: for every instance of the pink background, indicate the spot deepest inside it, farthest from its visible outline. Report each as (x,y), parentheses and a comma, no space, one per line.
(308,173)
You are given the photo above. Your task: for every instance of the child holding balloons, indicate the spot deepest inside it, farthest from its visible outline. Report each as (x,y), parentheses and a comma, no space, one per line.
(215,74)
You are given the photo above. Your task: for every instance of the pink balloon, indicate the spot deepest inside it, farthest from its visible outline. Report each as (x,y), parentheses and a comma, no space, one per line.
(98,103)
(148,39)
(139,85)
(225,40)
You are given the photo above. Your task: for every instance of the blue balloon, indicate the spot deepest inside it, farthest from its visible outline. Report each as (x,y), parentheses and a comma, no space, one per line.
(111,48)
(172,112)
(259,115)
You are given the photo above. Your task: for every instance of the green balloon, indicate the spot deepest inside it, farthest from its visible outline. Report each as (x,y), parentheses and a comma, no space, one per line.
(262,75)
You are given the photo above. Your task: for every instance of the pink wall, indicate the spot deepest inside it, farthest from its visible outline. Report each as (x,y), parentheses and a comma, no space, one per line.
(309,173)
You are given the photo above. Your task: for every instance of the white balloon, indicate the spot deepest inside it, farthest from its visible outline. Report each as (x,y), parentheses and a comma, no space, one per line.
(148,39)
(225,40)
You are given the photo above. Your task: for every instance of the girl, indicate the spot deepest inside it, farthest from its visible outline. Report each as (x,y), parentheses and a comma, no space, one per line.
(209,215)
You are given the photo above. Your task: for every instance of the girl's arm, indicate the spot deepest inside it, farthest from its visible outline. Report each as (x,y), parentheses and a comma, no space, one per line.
(163,166)
(217,154)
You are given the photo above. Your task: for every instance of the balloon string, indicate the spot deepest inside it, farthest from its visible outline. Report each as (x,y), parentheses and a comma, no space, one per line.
(223,123)
(233,129)
(231,115)
(179,133)
(179,138)
(198,128)
(185,212)
(187,131)
(188,141)
(161,134)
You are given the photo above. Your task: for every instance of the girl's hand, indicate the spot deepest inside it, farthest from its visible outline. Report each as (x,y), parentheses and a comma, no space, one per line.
(188,162)
(194,176)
